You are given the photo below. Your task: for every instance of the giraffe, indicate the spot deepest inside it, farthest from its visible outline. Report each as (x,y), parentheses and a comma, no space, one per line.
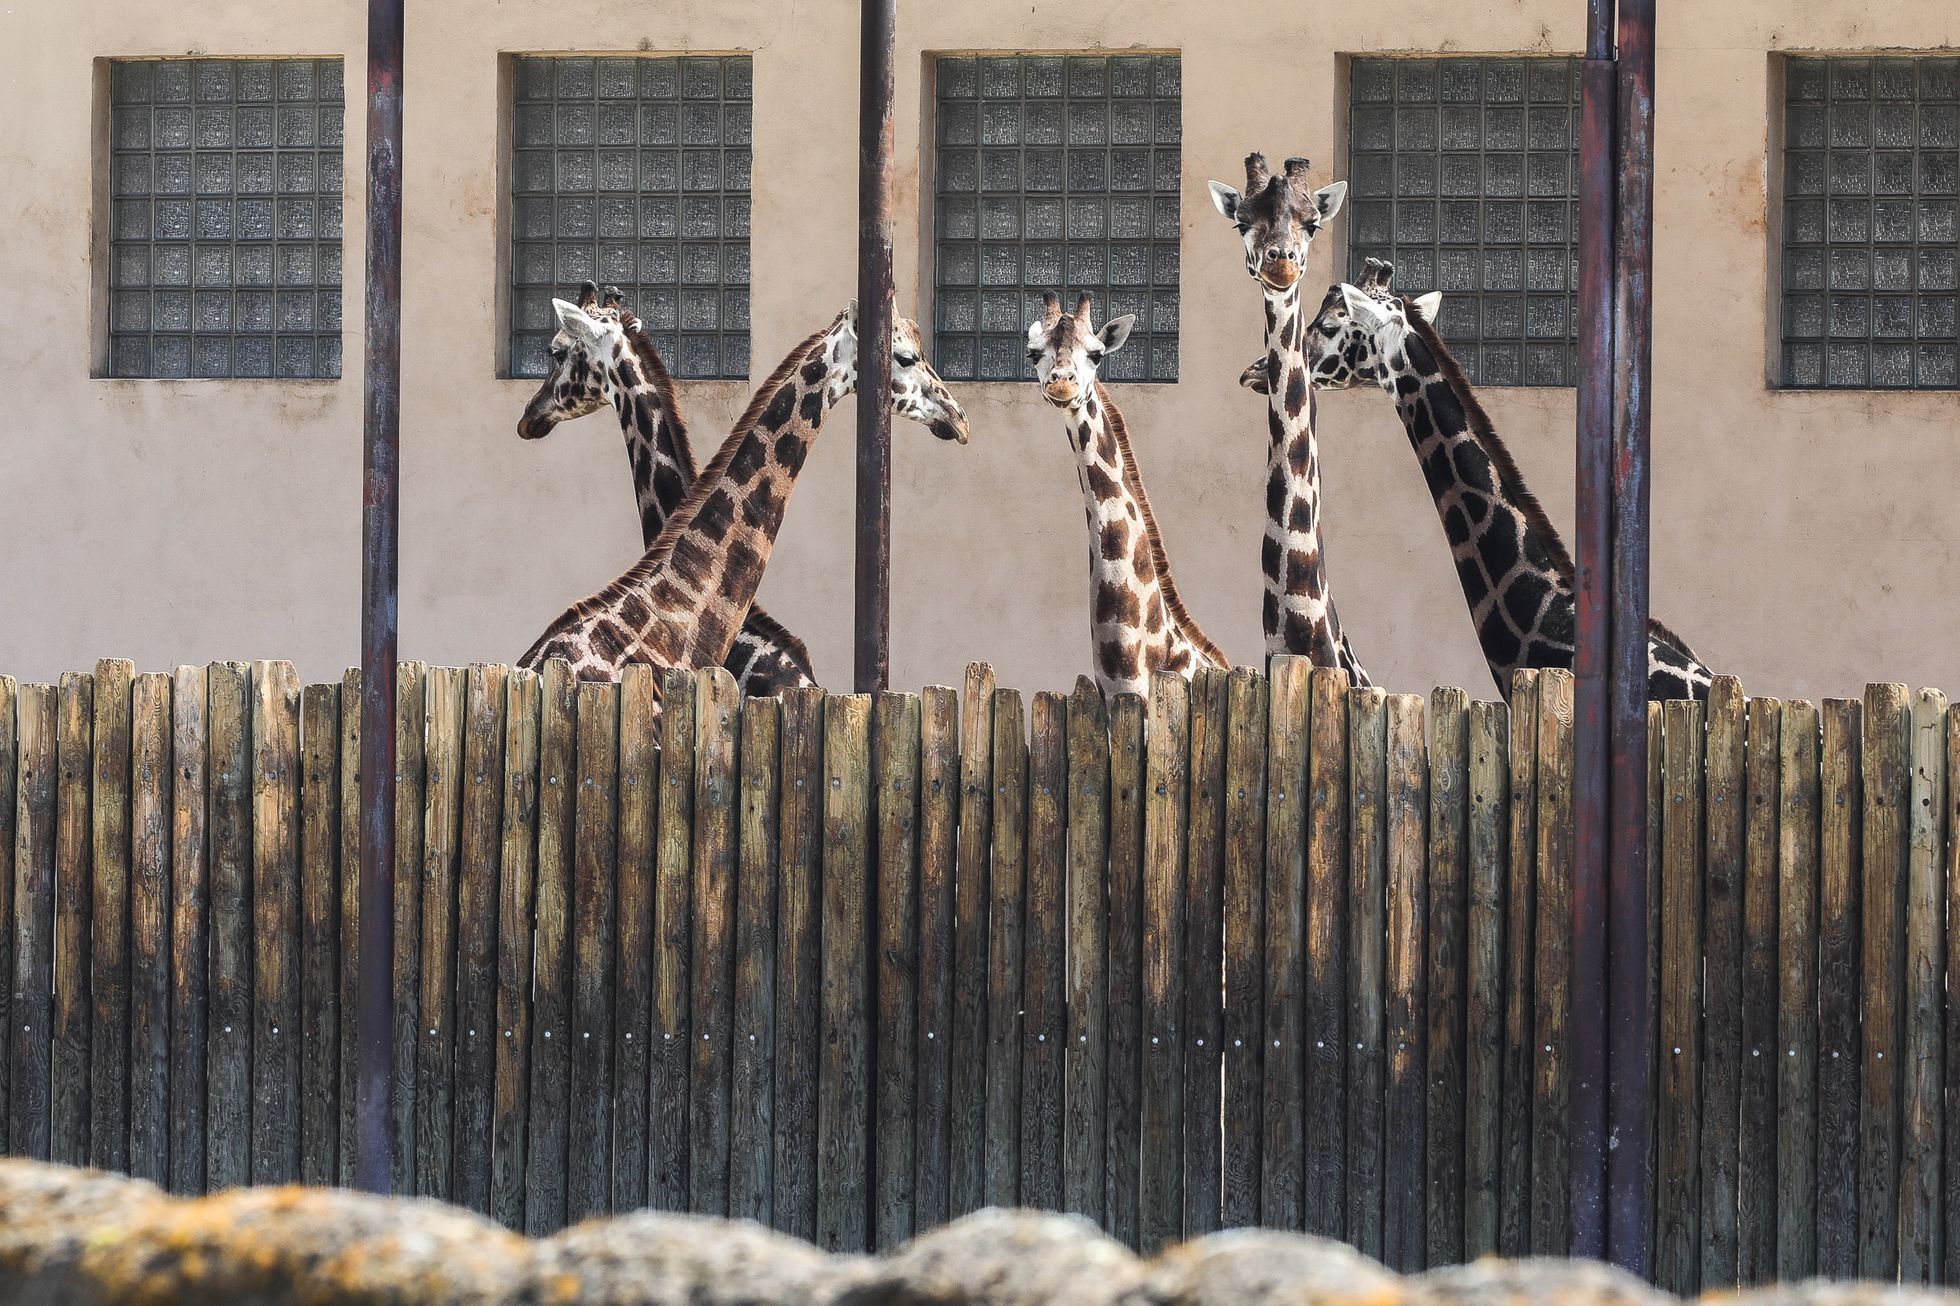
(682,603)
(1278,217)
(602,355)
(1137,622)
(1516,574)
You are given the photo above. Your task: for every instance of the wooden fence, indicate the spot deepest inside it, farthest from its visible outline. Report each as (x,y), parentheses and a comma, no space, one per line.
(1254,951)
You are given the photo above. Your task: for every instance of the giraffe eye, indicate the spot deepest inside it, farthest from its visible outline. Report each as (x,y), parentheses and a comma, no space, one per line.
(905,360)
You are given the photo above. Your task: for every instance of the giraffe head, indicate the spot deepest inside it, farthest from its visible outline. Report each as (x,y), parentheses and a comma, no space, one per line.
(1360,327)
(1277,217)
(585,356)
(1067,350)
(918,393)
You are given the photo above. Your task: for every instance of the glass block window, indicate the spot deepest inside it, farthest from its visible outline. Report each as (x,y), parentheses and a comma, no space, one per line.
(634,172)
(1464,173)
(1055,172)
(224,217)
(1871,179)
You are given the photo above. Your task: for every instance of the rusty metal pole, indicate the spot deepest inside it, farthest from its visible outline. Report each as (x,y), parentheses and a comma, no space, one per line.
(380,589)
(872,667)
(1630,1105)
(1598,151)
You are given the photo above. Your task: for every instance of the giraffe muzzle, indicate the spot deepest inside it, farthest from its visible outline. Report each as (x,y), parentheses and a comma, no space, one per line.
(1279,273)
(1061,392)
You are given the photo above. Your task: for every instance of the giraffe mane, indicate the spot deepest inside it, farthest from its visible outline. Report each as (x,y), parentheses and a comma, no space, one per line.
(662,380)
(1508,474)
(1119,430)
(663,547)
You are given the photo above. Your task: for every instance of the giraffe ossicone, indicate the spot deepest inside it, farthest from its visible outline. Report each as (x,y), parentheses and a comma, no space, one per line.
(682,604)
(1516,575)
(600,356)
(1277,216)
(1138,624)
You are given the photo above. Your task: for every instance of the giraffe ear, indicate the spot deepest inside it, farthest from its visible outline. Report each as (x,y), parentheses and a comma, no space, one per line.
(1428,304)
(572,320)
(1116,332)
(1327,200)
(1362,311)
(1224,199)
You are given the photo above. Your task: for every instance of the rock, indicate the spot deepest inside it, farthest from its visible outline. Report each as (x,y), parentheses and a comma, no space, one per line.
(1252,1267)
(1540,1282)
(1006,1258)
(1823,1292)
(653,1257)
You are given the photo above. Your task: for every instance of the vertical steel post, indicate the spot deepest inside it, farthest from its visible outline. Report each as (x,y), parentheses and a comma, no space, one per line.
(380,539)
(1591,733)
(1630,1105)
(872,664)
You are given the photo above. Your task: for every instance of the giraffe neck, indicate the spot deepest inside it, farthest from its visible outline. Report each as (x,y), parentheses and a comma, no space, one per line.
(1515,572)
(1137,622)
(657,444)
(1298,614)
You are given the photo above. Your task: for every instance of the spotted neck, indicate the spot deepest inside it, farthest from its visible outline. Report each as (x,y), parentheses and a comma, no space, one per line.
(1516,575)
(1138,623)
(657,444)
(1298,614)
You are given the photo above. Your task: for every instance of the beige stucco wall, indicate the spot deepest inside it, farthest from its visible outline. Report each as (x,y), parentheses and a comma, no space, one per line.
(1803,540)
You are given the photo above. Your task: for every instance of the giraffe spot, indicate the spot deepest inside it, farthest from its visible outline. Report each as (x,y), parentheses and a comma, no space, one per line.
(607,641)
(667,488)
(1303,573)
(1524,595)
(1106,446)
(1179,659)
(1296,390)
(1113,656)
(1539,653)
(1473,467)
(1437,471)
(1447,408)
(1115,540)
(745,559)
(1300,517)
(1101,485)
(1141,561)
(791,449)
(1406,385)
(1455,526)
(1299,457)
(1154,620)
(1475,506)
(813,371)
(781,405)
(1560,623)
(762,506)
(1499,546)
(1535,551)
(812,406)
(1274,426)
(747,459)
(716,514)
(1091,408)
(1116,605)
(1269,558)
(692,560)
(1276,498)
(1500,645)
(1420,427)
(629,374)
(1304,636)
(1470,575)
(633,611)
(1269,612)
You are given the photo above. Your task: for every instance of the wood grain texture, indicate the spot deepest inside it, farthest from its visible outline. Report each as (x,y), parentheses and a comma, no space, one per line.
(639,790)
(1553,965)
(798,973)
(516,922)
(319,977)
(1756,1216)
(1724,820)
(1042,1030)
(1006,874)
(31,977)
(716,701)
(1677,1117)
(1404,1210)
(939,817)
(547,1141)
(1283,1106)
(1367,1024)
(190,849)
(442,824)
(595,851)
(108,945)
(1447,944)
(1325,1032)
(1203,1016)
(485,698)
(1922,1253)
(1243,894)
(844,1063)
(752,1088)
(1796,997)
(1887,839)
(9,785)
(895,727)
(228,1111)
(669,1141)
(1839,899)
(1519,1062)
(349,891)
(966,1164)
(1123,1145)
(411,760)
(149,925)
(1087,803)
(1166,818)
(1487,838)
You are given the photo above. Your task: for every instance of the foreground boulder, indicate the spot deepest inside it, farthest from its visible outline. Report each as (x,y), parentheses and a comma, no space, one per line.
(84,1238)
